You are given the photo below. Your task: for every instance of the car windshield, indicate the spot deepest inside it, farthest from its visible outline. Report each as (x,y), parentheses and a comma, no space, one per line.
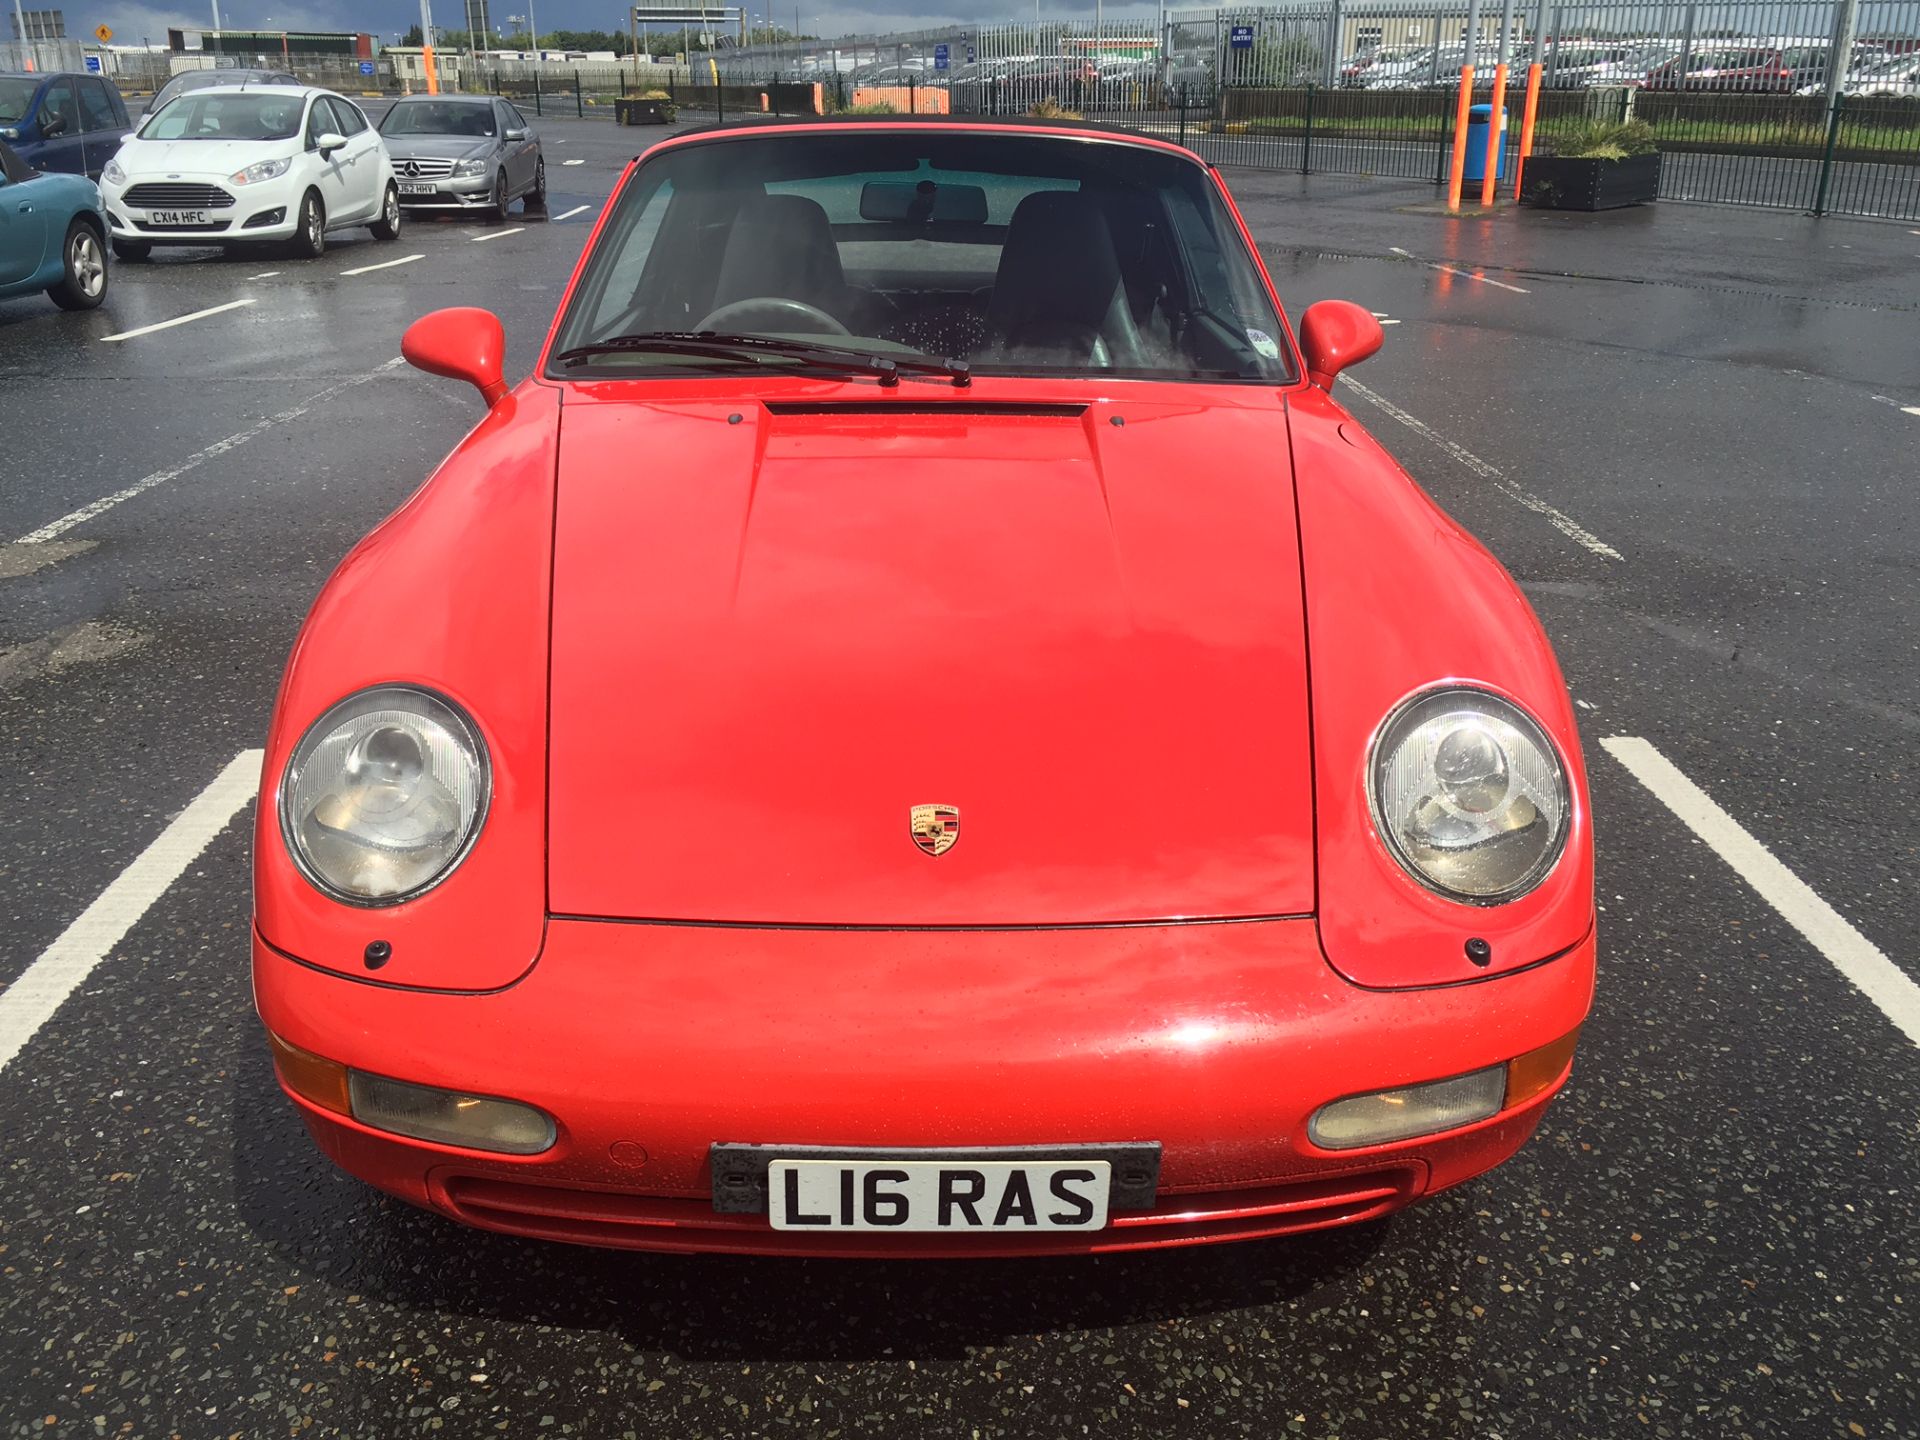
(16,95)
(1016,254)
(226,115)
(202,80)
(438,117)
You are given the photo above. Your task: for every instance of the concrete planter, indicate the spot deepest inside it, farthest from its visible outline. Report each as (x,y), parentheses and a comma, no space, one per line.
(643,112)
(1555,182)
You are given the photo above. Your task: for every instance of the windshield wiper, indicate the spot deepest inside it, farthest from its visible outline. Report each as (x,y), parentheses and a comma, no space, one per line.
(710,343)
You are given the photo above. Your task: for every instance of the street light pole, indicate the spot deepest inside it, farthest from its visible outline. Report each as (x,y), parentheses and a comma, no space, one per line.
(30,57)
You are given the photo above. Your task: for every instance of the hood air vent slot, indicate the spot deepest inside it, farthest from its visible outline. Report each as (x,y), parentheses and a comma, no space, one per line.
(931,407)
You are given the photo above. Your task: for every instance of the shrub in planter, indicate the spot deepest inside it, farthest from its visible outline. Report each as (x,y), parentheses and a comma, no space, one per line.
(1595,165)
(654,107)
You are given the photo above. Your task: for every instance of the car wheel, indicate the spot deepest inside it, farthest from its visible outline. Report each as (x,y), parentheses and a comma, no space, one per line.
(536,202)
(310,237)
(500,200)
(83,283)
(131,250)
(387,227)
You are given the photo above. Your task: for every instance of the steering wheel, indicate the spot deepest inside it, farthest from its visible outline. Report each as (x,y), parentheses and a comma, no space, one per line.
(773,312)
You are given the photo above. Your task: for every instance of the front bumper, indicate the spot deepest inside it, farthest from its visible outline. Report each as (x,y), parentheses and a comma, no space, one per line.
(267,210)
(466,192)
(649,1043)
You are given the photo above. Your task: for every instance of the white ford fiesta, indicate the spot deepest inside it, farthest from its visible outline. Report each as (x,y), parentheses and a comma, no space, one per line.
(237,166)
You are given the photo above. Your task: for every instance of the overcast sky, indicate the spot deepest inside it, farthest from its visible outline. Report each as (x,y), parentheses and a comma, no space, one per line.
(384,17)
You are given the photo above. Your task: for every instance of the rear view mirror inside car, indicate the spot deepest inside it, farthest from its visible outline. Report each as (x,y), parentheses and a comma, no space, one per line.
(923,202)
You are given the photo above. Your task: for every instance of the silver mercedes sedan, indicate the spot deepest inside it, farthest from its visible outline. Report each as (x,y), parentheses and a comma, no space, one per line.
(464,152)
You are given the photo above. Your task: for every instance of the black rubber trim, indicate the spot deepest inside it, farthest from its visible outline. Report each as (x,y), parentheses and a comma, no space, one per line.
(1162,924)
(740,1170)
(918,406)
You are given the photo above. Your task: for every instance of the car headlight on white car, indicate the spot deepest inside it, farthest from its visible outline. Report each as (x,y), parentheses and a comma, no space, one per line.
(113,174)
(1469,795)
(260,171)
(470,167)
(384,795)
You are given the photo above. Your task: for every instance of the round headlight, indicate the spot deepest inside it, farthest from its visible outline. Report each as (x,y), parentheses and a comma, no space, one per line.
(1469,795)
(384,795)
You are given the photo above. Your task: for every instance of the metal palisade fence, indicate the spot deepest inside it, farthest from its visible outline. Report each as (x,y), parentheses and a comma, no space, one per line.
(1779,103)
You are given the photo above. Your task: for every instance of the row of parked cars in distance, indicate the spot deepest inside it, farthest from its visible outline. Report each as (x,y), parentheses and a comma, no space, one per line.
(1742,66)
(241,159)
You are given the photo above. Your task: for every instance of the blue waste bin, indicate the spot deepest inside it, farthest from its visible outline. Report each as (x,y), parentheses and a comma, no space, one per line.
(1478,118)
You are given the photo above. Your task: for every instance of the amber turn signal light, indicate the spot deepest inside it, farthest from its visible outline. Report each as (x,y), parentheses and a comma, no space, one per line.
(1535,1072)
(313,1078)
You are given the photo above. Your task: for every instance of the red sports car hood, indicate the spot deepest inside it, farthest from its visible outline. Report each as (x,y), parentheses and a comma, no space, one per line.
(778,630)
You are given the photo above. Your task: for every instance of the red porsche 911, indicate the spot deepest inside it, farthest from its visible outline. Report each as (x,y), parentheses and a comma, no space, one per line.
(920,728)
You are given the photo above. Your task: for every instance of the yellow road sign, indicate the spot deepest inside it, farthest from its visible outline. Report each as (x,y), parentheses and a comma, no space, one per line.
(105,35)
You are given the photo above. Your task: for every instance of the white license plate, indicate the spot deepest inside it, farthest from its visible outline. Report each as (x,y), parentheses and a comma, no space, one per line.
(176,217)
(950,1195)
(414,188)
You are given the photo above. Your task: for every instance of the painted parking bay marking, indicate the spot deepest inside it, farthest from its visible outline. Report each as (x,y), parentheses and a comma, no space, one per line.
(60,969)
(576,210)
(56,528)
(1857,958)
(383,265)
(1453,270)
(495,235)
(180,320)
(1559,519)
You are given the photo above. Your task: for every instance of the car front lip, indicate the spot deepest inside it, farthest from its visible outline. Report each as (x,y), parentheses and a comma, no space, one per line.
(279,193)
(650,1042)
(448,190)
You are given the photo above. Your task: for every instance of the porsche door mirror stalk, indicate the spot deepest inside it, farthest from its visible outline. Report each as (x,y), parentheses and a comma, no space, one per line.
(462,343)
(1335,334)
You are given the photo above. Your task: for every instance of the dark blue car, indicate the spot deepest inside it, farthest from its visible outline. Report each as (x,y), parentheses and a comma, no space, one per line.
(64,122)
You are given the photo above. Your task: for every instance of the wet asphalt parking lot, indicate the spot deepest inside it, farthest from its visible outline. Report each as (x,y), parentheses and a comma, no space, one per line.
(1693,436)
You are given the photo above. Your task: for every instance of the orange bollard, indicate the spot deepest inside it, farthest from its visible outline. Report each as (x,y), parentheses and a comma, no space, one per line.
(433,75)
(1526,128)
(1496,134)
(1458,168)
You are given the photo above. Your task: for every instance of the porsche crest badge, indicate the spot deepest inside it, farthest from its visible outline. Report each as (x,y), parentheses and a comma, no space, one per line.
(935,827)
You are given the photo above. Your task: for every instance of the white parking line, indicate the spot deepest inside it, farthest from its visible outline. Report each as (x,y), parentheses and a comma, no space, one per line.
(384,265)
(1903,408)
(54,529)
(180,320)
(1851,953)
(1559,519)
(573,162)
(264,275)
(1452,270)
(576,210)
(496,234)
(30,1001)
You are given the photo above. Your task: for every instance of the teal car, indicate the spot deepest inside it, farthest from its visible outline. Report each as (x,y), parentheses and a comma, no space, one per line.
(53,232)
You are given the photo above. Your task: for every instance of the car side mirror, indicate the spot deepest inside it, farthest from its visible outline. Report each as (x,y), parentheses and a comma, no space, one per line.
(1335,334)
(52,124)
(462,343)
(330,142)
(516,135)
